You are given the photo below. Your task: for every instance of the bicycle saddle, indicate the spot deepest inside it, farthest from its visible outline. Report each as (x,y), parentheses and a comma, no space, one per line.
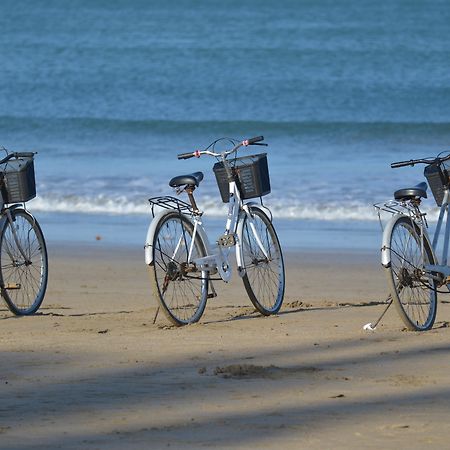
(420,190)
(193,179)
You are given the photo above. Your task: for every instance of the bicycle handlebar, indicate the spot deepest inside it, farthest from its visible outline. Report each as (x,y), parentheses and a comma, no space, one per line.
(17,155)
(197,153)
(412,162)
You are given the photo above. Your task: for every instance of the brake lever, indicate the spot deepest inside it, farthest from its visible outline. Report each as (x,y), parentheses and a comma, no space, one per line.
(260,143)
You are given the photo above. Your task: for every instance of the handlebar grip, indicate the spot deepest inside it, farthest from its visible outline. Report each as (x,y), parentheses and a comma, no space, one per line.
(396,165)
(186,155)
(254,140)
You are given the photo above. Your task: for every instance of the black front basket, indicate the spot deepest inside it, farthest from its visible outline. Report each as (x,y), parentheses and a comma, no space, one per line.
(438,180)
(251,174)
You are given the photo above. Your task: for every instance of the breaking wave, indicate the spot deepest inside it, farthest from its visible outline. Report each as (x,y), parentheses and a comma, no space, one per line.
(121,205)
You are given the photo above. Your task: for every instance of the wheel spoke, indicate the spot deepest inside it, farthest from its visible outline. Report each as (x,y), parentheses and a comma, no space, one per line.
(182,297)
(264,277)
(415,295)
(24,279)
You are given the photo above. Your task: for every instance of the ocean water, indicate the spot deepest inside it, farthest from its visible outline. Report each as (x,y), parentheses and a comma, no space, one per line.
(108,93)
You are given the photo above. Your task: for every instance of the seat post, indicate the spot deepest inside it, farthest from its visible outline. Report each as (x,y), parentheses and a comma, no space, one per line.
(190,192)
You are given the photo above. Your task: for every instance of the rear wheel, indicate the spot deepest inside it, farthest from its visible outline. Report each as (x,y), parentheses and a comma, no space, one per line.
(413,290)
(264,277)
(23,263)
(181,289)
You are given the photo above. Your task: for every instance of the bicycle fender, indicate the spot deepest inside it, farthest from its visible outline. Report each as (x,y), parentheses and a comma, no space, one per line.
(385,246)
(151,233)
(12,208)
(262,208)
(385,243)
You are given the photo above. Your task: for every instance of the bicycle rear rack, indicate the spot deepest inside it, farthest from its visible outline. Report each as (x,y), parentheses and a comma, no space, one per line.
(393,207)
(398,207)
(168,202)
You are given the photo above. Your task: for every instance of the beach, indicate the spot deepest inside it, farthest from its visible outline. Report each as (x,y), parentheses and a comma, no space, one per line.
(91,370)
(108,94)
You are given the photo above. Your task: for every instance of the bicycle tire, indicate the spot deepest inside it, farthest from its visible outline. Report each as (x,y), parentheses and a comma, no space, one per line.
(264,277)
(182,296)
(414,295)
(23,282)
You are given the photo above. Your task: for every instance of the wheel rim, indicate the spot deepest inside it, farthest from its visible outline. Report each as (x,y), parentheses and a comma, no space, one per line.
(182,290)
(24,279)
(415,291)
(264,273)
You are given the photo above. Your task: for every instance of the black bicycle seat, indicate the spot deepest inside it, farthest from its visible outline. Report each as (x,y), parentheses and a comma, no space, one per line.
(420,190)
(193,179)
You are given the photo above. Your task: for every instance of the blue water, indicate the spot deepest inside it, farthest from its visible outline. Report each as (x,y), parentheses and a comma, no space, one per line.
(108,93)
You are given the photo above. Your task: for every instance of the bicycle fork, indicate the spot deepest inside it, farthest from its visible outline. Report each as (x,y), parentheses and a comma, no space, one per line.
(27,261)
(14,261)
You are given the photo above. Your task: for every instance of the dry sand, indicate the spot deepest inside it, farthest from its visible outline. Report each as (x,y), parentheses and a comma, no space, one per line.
(91,371)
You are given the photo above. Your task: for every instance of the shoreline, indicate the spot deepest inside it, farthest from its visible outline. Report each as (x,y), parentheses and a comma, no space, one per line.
(130,231)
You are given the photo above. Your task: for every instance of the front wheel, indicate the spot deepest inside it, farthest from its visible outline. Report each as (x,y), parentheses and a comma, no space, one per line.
(264,277)
(23,263)
(413,289)
(181,289)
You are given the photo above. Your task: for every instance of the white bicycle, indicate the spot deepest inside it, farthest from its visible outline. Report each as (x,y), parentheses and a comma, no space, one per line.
(414,272)
(182,261)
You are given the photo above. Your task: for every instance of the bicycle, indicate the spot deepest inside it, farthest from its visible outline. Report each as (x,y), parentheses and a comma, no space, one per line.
(409,257)
(23,253)
(183,262)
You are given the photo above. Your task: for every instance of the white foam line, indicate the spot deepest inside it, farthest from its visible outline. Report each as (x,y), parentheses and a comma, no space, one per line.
(121,205)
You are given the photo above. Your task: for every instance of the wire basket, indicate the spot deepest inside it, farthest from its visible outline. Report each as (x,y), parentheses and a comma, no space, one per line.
(438,180)
(251,174)
(18,184)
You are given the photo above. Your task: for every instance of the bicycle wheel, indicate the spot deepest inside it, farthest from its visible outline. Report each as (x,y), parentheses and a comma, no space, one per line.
(23,263)
(413,291)
(180,288)
(264,277)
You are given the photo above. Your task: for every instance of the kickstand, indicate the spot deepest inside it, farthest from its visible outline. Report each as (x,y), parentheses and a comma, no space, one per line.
(213,293)
(371,327)
(156,315)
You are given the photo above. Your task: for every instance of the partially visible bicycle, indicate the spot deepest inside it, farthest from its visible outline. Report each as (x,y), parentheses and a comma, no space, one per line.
(23,254)
(182,261)
(415,274)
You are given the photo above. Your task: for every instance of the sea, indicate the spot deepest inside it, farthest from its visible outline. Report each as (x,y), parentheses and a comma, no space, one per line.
(109,92)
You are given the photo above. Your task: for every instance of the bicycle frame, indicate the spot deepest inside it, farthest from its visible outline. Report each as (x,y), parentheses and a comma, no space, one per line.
(443,267)
(444,215)
(216,258)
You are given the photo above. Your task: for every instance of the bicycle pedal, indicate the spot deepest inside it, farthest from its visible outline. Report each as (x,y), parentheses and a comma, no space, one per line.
(212,295)
(12,286)
(227,240)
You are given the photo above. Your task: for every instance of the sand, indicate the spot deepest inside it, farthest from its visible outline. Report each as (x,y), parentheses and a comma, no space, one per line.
(91,370)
